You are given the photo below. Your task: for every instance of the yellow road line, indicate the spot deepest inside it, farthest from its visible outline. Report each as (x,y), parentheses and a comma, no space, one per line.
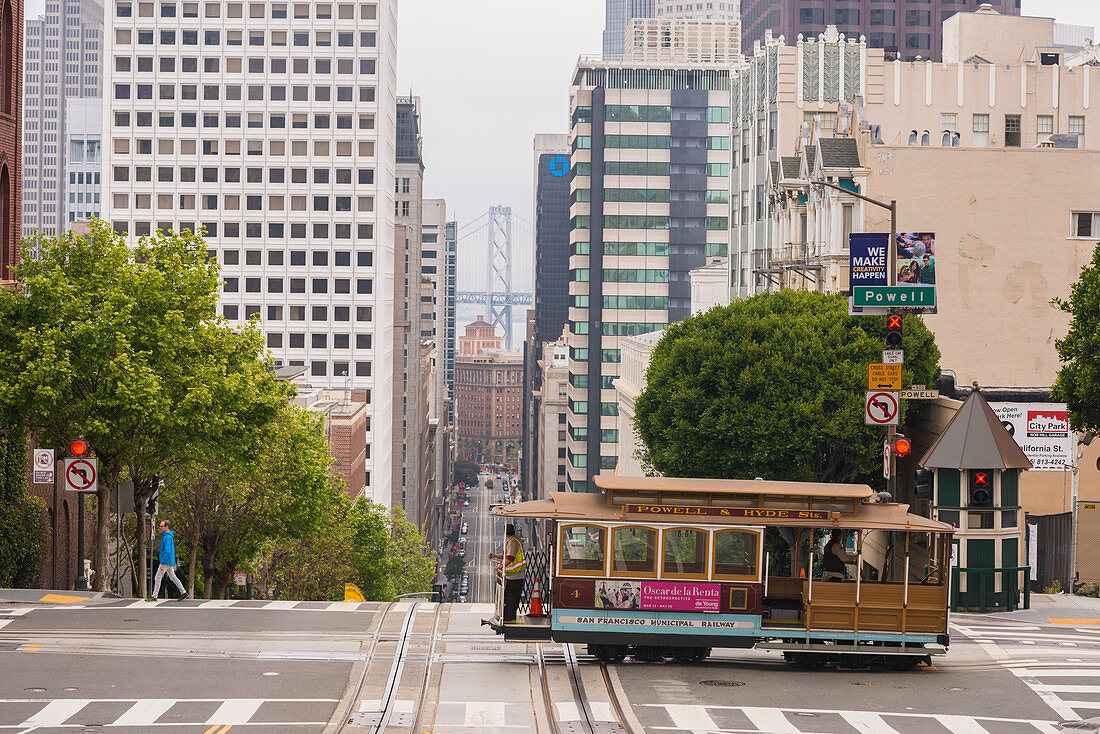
(1073,621)
(32,647)
(212,729)
(218,729)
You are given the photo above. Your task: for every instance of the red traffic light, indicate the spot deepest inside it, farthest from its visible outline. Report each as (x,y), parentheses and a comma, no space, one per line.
(893,322)
(79,447)
(979,479)
(902,447)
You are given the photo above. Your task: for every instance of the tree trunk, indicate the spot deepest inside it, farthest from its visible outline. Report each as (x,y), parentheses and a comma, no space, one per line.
(142,550)
(193,560)
(102,533)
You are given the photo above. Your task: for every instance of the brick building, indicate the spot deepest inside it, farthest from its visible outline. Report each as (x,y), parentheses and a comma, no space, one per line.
(488,396)
(11,133)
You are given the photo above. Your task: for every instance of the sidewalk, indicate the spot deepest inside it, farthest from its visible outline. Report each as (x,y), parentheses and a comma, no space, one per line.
(1056,609)
(55,597)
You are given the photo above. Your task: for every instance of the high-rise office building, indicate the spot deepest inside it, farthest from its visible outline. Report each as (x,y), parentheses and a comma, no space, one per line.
(700,9)
(911,28)
(82,186)
(650,160)
(617,17)
(11,133)
(551,235)
(271,125)
(53,82)
(450,305)
(432,299)
(410,389)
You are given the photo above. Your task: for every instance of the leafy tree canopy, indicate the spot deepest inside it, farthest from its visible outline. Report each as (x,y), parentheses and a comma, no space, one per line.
(1078,382)
(465,471)
(773,387)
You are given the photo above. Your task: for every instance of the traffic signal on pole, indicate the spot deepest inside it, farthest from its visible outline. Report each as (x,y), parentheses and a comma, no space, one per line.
(893,332)
(922,487)
(902,446)
(151,505)
(78,447)
(981,487)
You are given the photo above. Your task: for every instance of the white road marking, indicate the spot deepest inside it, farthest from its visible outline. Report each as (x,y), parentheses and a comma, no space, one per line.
(484,713)
(770,720)
(217,603)
(691,717)
(144,712)
(962,724)
(867,722)
(282,604)
(5,622)
(56,713)
(235,711)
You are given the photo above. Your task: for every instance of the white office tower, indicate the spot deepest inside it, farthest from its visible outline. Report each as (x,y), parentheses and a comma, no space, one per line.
(684,40)
(271,125)
(52,82)
(704,10)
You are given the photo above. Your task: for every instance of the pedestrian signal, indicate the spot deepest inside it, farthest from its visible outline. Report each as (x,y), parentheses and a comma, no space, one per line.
(893,332)
(922,489)
(981,487)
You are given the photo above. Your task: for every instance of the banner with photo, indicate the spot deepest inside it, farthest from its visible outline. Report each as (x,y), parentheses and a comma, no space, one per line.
(916,262)
(1042,431)
(868,263)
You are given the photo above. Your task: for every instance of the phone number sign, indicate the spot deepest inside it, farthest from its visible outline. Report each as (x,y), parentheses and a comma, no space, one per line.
(1041,430)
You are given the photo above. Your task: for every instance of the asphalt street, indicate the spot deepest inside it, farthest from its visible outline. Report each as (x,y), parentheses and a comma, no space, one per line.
(211,667)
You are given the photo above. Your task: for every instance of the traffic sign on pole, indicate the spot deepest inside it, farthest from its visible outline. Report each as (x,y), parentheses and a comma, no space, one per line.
(82,475)
(897,296)
(881,408)
(43,466)
(884,376)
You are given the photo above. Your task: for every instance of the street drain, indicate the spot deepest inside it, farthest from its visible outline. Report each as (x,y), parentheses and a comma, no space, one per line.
(807,714)
(722,683)
(69,690)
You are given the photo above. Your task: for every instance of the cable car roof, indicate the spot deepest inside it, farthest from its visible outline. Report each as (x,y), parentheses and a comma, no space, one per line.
(620,485)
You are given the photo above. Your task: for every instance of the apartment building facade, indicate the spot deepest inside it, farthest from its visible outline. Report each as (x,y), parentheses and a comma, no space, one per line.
(552,417)
(908,28)
(12,152)
(650,158)
(271,125)
(488,400)
(56,79)
(83,170)
(617,16)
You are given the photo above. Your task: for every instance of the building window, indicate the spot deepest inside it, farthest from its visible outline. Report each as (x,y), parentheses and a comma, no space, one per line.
(1077,127)
(1012,131)
(1086,225)
(981,131)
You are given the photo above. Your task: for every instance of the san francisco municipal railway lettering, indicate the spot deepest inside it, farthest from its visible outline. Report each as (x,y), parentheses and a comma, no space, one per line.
(730,512)
(656,622)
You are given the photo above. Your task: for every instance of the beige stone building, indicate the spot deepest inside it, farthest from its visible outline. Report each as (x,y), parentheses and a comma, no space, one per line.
(552,407)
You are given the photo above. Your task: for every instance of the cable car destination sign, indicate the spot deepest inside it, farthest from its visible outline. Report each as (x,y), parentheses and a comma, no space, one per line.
(749,512)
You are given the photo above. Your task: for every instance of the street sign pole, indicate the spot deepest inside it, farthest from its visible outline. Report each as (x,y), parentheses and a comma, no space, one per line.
(81,579)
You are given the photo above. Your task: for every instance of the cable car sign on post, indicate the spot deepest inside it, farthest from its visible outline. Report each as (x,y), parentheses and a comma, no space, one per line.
(82,474)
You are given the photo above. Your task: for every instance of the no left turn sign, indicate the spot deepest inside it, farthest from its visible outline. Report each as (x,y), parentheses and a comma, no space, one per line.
(881,408)
(82,475)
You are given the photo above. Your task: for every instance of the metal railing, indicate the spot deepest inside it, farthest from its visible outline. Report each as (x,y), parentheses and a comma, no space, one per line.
(986,581)
(539,562)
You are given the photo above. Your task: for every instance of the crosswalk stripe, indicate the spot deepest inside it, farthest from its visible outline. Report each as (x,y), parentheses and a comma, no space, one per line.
(961,724)
(485,713)
(1056,672)
(235,711)
(867,722)
(770,720)
(56,713)
(691,717)
(5,622)
(145,711)
(1064,689)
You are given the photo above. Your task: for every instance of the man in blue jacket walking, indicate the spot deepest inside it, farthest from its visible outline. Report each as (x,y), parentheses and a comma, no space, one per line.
(167,562)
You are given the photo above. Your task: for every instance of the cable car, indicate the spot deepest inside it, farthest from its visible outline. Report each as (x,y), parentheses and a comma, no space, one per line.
(660,567)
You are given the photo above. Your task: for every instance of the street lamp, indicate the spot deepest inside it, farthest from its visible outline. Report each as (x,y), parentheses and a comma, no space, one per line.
(892,207)
(891,279)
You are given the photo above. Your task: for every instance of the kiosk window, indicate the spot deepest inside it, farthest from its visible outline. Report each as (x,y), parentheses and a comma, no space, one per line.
(582,548)
(735,553)
(685,552)
(634,551)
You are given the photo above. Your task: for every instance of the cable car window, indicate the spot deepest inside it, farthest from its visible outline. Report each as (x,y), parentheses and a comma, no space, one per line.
(634,552)
(685,553)
(735,553)
(582,548)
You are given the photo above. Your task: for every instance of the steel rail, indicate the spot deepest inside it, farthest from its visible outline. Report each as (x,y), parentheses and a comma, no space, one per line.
(427,669)
(390,693)
(573,670)
(540,657)
(366,666)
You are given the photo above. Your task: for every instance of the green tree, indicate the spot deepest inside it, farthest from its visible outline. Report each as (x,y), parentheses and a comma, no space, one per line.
(390,554)
(225,506)
(1078,382)
(771,386)
(115,344)
(465,471)
(24,532)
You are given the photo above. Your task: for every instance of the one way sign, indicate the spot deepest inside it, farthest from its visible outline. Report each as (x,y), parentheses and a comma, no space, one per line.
(82,474)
